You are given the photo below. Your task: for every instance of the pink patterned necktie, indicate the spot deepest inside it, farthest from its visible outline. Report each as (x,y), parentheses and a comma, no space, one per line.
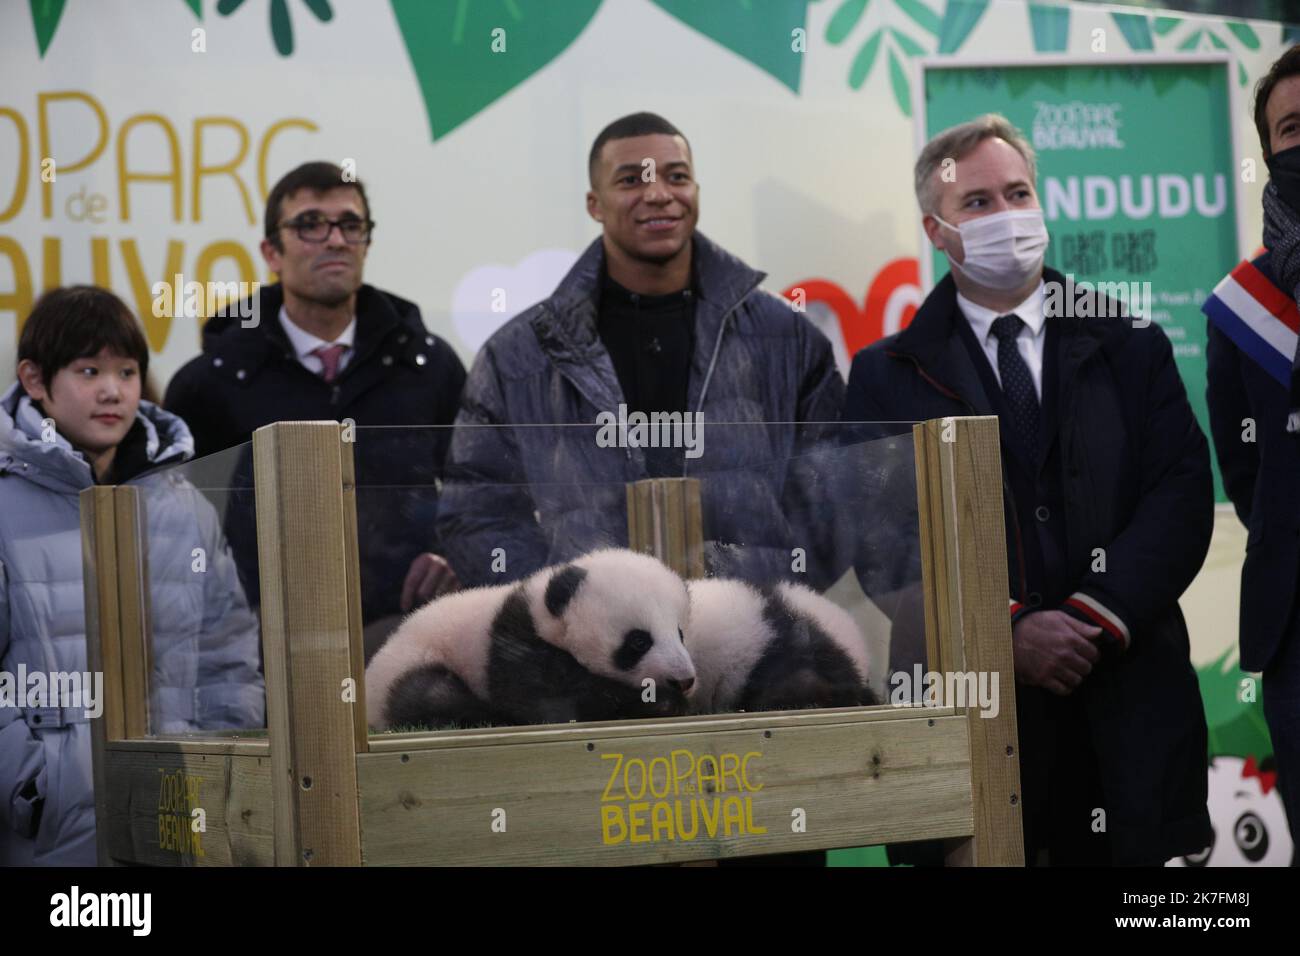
(329,356)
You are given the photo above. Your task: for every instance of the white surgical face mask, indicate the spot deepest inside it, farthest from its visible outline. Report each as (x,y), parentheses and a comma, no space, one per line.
(1003,251)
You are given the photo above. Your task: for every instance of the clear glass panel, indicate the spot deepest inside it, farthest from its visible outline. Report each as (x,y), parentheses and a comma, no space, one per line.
(811,552)
(197,525)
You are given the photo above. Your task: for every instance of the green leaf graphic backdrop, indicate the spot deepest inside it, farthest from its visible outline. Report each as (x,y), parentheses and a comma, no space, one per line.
(450,43)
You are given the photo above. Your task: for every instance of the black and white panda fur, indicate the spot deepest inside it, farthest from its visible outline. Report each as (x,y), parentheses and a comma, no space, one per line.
(572,642)
(780,648)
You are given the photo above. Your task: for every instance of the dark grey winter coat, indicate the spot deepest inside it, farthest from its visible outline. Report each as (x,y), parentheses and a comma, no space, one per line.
(544,495)
(1136,476)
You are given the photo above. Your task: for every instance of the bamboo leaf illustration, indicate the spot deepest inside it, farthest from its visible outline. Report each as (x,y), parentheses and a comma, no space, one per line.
(923,16)
(908,45)
(1245,34)
(45,20)
(281,23)
(863,62)
(758,32)
(450,43)
(959,19)
(281,28)
(844,19)
(1050,27)
(898,81)
(1136,29)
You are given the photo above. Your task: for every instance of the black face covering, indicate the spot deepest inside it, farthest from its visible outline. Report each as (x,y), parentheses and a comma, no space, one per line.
(1284,170)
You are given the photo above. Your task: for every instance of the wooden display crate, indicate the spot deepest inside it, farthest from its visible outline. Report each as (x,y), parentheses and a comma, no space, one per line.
(318,789)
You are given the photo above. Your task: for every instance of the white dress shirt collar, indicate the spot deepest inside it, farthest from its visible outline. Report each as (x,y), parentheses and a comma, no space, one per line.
(981,318)
(304,343)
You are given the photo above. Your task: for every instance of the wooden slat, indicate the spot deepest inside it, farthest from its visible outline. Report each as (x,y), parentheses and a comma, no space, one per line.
(352,567)
(928,525)
(695,530)
(939,556)
(664,519)
(857,782)
(975,541)
(306,623)
(636,532)
(103,649)
(151,798)
(999,839)
(666,726)
(134,607)
(196,746)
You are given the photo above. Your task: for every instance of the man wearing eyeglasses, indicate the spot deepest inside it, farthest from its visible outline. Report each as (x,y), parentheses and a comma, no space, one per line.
(326,346)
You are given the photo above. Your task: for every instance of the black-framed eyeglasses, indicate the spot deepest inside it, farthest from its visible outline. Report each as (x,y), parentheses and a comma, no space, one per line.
(318,228)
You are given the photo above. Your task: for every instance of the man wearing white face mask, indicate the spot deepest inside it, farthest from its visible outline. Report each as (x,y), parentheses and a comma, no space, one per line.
(1107,500)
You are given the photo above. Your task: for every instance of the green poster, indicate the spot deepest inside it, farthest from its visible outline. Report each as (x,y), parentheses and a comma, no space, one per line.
(1135,177)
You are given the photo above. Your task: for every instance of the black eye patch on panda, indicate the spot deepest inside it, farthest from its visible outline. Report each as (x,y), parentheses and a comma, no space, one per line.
(634,647)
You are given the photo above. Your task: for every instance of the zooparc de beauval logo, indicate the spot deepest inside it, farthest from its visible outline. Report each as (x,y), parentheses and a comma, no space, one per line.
(677,797)
(1076,125)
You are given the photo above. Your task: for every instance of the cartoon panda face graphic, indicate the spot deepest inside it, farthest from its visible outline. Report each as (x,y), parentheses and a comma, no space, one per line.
(1249,821)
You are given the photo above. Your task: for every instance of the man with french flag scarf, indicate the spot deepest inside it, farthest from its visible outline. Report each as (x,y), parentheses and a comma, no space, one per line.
(1253,390)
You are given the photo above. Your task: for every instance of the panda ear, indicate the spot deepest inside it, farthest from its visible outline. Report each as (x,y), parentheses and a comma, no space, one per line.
(561,588)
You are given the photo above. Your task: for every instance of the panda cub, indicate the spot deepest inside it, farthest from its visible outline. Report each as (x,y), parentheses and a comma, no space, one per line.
(568,643)
(779,648)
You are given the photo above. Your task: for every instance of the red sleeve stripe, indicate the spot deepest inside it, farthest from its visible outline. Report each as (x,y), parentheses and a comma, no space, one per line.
(1100,615)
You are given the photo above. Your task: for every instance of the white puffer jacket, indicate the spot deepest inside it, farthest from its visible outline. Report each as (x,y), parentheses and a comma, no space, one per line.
(204,647)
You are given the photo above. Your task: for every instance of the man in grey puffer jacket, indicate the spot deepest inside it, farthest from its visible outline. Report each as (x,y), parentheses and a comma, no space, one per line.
(204,647)
(655,318)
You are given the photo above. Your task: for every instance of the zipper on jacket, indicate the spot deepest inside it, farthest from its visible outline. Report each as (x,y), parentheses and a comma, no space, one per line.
(713,361)
(1006,486)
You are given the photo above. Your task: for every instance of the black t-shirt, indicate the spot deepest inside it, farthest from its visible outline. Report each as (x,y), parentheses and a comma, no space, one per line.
(651,341)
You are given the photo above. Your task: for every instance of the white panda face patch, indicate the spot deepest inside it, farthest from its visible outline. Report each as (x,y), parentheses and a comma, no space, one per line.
(623,615)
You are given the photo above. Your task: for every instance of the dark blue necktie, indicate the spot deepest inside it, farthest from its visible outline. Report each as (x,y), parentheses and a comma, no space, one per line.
(1017,383)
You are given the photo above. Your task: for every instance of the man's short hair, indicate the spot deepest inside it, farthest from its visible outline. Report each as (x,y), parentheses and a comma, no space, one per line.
(634,124)
(1288,64)
(957,142)
(76,322)
(317,177)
